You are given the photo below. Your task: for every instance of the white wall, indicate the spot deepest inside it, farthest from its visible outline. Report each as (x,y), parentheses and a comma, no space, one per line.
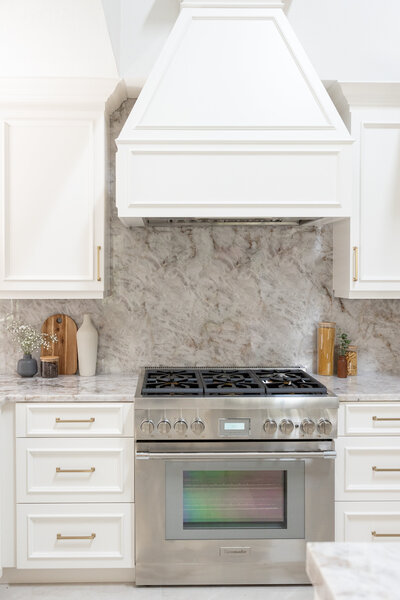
(345,39)
(55,38)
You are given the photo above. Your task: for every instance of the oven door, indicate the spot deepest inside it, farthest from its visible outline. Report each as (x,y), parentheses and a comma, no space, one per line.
(230,513)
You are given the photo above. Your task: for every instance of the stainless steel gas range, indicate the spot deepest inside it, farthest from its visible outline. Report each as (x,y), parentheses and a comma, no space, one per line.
(233,474)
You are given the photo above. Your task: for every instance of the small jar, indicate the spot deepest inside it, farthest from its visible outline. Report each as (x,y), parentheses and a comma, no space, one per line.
(49,366)
(326,347)
(351,358)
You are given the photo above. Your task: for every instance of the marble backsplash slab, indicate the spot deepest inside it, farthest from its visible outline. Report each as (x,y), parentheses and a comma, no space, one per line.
(222,295)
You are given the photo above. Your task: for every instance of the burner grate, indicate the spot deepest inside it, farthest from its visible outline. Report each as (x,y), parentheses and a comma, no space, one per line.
(174,382)
(285,381)
(238,382)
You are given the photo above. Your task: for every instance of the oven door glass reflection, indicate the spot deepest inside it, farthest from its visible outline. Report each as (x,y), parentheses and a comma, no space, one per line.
(235,499)
(239,499)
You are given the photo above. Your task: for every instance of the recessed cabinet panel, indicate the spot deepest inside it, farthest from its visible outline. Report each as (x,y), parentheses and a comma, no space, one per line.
(49,200)
(367,522)
(74,419)
(79,536)
(78,470)
(380,205)
(371,418)
(368,468)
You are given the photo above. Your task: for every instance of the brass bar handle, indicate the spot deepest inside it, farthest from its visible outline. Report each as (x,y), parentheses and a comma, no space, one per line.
(355,263)
(386,418)
(91,420)
(76,537)
(60,470)
(98,263)
(385,534)
(383,470)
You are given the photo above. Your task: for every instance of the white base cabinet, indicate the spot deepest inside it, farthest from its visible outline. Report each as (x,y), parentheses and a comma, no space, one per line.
(367,480)
(367,246)
(74,487)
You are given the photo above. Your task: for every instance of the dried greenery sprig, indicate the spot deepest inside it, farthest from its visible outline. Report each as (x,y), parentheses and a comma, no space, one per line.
(344,342)
(28,338)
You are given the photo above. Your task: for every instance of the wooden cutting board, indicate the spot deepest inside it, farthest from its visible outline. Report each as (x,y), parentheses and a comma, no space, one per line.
(65,329)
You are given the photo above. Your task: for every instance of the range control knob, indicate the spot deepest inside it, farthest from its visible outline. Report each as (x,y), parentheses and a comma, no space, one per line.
(164,426)
(286,426)
(307,426)
(147,426)
(197,426)
(324,427)
(180,426)
(270,426)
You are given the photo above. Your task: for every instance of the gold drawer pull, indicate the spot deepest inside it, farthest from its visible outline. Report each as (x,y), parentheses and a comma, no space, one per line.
(376,469)
(385,534)
(98,263)
(91,470)
(386,418)
(91,420)
(76,537)
(355,263)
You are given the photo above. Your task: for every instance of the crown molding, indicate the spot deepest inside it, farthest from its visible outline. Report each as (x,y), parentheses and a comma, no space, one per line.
(365,93)
(61,91)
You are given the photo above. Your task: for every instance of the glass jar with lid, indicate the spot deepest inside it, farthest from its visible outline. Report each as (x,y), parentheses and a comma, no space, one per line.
(326,347)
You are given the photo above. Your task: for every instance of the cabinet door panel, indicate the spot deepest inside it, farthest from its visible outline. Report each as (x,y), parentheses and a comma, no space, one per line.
(380,203)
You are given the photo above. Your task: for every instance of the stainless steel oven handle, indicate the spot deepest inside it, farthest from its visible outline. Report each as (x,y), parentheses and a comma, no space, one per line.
(216,455)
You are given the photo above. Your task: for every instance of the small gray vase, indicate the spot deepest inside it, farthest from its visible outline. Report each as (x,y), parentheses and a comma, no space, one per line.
(27,366)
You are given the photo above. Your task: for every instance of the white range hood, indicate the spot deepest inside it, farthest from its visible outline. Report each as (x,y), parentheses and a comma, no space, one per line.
(232,124)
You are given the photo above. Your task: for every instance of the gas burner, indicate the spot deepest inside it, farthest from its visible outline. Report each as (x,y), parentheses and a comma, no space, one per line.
(289,381)
(225,382)
(172,382)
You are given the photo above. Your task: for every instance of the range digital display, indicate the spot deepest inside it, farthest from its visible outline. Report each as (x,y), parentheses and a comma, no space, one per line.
(228,426)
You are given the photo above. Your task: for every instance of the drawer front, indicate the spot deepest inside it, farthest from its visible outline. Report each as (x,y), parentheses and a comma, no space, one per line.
(101,535)
(369,418)
(75,470)
(368,469)
(75,419)
(367,522)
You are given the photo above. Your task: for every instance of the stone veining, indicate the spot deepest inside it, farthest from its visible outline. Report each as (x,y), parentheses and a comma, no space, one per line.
(223,296)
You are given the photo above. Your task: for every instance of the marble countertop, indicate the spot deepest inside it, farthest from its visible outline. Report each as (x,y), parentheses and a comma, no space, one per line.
(362,571)
(371,387)
(73,388)
(68,388)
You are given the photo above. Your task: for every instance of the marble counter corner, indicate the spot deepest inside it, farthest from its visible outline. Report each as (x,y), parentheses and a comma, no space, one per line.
(370,387)
(356,571)
(68,388)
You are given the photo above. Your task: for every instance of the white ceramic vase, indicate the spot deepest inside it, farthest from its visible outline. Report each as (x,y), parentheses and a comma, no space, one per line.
(87,338)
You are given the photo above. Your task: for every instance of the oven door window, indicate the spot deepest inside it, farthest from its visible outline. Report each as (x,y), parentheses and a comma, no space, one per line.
(239,499)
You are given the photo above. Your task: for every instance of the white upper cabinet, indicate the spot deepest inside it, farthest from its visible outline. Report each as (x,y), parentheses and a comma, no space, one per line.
(366,261)
(57,72)
(233,122)
(52,201)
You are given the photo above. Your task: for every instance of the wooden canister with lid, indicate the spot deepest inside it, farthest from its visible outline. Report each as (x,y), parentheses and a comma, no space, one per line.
(326,347)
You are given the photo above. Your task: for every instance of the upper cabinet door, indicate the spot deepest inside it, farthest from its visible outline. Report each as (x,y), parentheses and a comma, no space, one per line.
(379,206)
(367,247)
(52,204)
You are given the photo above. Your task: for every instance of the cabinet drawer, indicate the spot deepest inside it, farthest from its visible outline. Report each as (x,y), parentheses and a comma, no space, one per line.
(367,522)
(75,419)
(101,536)
(368,468)
(370,418)
(80,470)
